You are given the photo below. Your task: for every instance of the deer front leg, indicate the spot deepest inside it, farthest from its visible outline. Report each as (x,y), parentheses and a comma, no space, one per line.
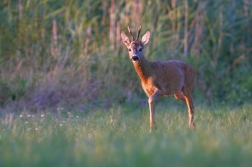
(157,94)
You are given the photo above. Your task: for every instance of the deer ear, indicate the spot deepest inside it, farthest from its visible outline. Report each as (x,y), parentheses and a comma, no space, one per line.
(125,39)
(146,38)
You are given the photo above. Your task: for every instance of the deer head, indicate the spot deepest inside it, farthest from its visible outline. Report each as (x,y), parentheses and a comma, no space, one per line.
(135,47)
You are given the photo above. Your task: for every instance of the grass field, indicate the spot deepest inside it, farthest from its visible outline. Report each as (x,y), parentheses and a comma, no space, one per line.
(70,54)
(119,137)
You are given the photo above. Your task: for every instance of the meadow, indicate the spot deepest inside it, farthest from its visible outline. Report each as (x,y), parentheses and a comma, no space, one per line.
(119,137)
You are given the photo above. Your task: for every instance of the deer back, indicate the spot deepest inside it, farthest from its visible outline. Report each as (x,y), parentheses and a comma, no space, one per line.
(168,76)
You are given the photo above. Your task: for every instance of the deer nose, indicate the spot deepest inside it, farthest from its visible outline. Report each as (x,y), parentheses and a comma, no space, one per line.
(135,58)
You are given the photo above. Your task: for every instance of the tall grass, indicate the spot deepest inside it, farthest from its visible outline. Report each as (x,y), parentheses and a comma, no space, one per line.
(55,53)
(119,137)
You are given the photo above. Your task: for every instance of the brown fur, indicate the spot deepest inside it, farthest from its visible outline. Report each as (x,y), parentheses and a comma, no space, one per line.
(161,78)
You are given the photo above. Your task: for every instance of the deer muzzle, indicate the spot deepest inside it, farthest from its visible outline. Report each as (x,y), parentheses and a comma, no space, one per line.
(135,58)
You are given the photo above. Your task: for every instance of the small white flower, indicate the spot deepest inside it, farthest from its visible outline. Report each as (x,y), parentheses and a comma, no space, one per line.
(21,116)
(61,124)
(77,116)
(36,128)
(60,108)
(29,115)
(42,115)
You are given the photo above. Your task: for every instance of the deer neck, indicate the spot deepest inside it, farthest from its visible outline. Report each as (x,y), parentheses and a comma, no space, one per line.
(143,69)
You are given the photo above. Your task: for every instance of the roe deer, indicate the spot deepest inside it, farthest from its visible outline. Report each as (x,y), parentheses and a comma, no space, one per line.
(160,78)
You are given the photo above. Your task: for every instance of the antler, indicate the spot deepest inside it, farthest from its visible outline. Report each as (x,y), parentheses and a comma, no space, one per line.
(138,33)
(131,33)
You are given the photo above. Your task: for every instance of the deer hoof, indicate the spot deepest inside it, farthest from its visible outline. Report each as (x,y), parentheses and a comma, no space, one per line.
(152,128)
(192,126)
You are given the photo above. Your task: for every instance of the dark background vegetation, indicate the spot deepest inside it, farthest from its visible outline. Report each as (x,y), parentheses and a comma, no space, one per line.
(68,53)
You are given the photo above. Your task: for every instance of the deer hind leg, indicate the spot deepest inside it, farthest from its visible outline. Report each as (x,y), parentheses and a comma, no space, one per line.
(180,96)
(189,102)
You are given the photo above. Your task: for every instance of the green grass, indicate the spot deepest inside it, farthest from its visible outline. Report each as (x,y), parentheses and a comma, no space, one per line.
(119,137)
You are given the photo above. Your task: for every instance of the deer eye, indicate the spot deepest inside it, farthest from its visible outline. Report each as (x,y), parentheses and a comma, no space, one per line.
(129,50)
(140,50)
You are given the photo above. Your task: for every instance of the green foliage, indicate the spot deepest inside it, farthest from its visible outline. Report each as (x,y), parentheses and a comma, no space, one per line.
(69,52)
(120,137)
